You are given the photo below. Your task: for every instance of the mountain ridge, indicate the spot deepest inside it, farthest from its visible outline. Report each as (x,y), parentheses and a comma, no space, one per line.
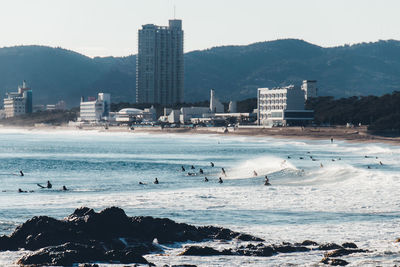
(235,72)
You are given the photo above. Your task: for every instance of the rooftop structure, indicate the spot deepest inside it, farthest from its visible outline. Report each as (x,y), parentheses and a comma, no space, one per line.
(159,65)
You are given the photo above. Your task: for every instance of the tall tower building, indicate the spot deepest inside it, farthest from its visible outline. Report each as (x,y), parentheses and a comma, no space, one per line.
(159,65)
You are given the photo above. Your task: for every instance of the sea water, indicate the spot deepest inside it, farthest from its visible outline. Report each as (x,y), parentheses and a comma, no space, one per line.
(343,195)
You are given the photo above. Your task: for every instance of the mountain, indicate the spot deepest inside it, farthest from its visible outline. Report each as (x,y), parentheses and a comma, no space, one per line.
(235,72)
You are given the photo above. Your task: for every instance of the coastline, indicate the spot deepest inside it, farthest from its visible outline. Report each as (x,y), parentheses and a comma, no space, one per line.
(357,135)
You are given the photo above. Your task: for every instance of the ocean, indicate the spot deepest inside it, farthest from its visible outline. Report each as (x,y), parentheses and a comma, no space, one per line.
(322,191)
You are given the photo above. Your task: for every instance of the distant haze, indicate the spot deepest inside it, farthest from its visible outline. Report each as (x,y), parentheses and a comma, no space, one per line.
(109,28)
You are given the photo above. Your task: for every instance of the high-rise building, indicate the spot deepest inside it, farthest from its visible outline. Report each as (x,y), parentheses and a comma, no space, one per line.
(159,64)
(18,103)
(310,88)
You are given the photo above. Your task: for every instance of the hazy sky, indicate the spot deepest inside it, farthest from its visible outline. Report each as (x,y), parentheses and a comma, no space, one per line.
(109,27)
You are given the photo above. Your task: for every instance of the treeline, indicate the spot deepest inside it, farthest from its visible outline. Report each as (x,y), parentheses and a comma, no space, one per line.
(379,113)
(54,117)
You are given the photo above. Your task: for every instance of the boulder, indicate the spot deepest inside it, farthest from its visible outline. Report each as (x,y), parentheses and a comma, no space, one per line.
(343,252)
(334,262)
(329,246)
(202,251)
(349,245)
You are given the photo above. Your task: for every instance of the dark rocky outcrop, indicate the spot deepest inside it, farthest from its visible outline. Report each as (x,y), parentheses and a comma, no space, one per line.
(259,250)
(329,246)
(349,245)
(334,262)
(107,236)
(343,252)
(87,237)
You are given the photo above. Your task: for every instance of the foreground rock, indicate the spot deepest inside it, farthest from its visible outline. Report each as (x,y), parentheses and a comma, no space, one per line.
(259,250)
(108,236)
(87,237)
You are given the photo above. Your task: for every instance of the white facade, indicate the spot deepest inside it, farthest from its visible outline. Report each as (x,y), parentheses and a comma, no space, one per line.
(278,105)
(187,113)
(215,105)
(128,115)
(96,110)
(310,88)
(18,103)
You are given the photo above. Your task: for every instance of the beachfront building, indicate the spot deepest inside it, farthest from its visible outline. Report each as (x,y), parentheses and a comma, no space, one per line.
(135,115)
(282,106)
(310,88)
(159,64)
(95,110)
(215,105)
(18,103)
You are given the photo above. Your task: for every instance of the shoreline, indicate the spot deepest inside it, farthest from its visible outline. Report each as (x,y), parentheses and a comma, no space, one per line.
(354,135)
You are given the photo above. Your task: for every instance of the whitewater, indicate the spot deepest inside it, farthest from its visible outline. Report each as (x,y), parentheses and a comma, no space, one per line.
(322,191)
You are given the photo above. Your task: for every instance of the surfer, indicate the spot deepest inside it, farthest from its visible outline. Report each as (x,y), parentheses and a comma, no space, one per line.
(212,164)
(223,171)
(266,180)
(21,173)
(289,157)
(201,171)
(156,181)
(192,167)
(64,188)
(368,167)
(331,140)
(182,168)
(205,179)
(321,165)
(220,180)
(380,162)
(49,185)
(21,191)
(255,173)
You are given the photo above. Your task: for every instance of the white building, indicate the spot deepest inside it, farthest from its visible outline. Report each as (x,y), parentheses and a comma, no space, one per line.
(215,105)
(129,115)
(282,106)
(95,110)
(310,88)
(188,113)
(18,103)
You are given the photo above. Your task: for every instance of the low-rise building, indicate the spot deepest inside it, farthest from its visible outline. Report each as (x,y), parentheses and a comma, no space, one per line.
(18,103)
(95,110)
(282,106)
(131,115)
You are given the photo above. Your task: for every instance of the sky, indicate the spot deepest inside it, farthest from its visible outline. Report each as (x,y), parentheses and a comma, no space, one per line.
(109,27)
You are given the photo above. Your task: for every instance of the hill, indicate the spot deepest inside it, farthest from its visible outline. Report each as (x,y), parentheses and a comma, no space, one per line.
(235,72)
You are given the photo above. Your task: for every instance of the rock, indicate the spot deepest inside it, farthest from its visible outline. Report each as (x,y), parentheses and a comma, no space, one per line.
(88,265)
(201,251)
(308,243)
(72,253)
(329,246)
(334,262)
(349,245)
(184,265)
(343,252)
(259,250)
(246,237)
(289,248)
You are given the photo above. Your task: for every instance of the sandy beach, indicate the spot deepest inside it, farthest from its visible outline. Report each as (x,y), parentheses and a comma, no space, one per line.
(358,134)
